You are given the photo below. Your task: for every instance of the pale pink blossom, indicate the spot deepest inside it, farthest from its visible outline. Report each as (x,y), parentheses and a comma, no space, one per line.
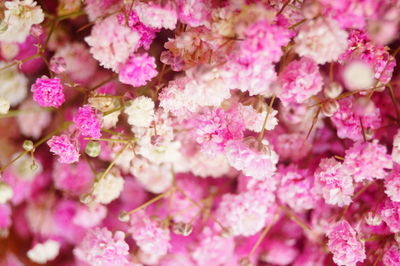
(156,16)
(392,185)
(33,120)
(112,43)
(390,214)
(149,234)
(346,248)
(333,183)
(64,147)
(71,178)
(391,256)
(299,81)
(322,40)
(100,247)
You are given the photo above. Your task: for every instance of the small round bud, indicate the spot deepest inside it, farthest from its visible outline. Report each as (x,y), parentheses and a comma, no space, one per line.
(373,219)
(358,75)
(329,107)
(123,216)
(58,64)
(180,228)
(4,105)
(3,26)
(86,198)
(6,192)
(93,148)
(27,145)
(36,30)
(34,166)
(333,90)
(311,9)
(245,262)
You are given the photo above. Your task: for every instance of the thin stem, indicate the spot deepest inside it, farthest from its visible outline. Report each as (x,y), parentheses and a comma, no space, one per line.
(261,135)
(110,140)
(296,219)
(297,24)
(144,205)
(363,130)
(113,76)
(395,103)
(111,165)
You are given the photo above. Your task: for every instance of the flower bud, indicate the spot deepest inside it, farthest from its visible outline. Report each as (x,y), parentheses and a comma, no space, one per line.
(123,216)
(36,30)
(180,228)
(4,105)
(27,145)
(93,148)
(58,64)
(333,90)
(373,219)
(329,107)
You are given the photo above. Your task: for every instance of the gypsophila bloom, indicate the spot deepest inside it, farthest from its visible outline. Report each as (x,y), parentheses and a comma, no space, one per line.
(367,161)
(48,92)
(108,188)
(343,243)
(6,192)
(322,40)
(254,120)
(64,147)
(392,185)
(100,247)
(111,43)
(87,122)
(254,161)
(295,188)
(333,182)
(13,86)
(155,16)
(43,252)
(299,81)
(138,70)
(391,256)
(20,15)
(390,214)
(245,213)
(149,235)
(57,64)
(140,111)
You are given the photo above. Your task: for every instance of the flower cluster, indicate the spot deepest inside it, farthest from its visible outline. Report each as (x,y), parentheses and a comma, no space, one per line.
(199,132)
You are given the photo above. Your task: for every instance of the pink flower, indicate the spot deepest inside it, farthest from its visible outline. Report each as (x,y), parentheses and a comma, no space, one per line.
(5,216)
(347,120)
(257,161)
(213,249)
(155,16)
(391,256)
(194,13)
(392,185)
(73,179)
(390,214)
(366,161)
(214,128)
(64,148)
(87,123)
(322,40)
(138,70)
(48,92)
(112,43)
(245,213)
(101,248)
(344,244)
(299,81)
(149,235)
(333,183)
(295,188)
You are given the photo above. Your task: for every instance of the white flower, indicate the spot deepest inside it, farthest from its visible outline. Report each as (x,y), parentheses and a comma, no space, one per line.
(140,111)
(6,192)
(13,85)
(43,252)
(164,153)
(20,16)
(4,105)
(108,188)
(358,75)
(321,40)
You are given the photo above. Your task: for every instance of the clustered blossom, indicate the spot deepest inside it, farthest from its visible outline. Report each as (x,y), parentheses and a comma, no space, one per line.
(199,132)
(343,242)
(48,92)
(138,70)
(87,122)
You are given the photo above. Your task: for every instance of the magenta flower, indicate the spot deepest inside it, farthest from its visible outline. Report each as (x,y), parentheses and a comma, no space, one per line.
(87,123)
(64,147)
(48,92)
